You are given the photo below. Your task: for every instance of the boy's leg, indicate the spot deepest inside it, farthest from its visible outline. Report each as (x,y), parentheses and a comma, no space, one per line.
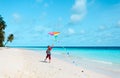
(49,58)
(46,57)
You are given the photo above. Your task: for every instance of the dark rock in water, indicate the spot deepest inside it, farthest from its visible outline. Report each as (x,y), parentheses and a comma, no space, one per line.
(73,61)
(60,69)
(67,53)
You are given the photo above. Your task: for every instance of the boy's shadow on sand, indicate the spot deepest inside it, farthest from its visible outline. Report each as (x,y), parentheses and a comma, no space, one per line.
(44,61)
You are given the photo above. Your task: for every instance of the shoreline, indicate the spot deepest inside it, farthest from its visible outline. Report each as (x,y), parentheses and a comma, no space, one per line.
(102,67)
(22,63)
(110,47)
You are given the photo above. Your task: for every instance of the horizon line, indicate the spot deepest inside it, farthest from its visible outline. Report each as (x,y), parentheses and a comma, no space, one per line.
(66,46)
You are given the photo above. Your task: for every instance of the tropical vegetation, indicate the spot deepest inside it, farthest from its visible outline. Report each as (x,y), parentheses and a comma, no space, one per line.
(2,33)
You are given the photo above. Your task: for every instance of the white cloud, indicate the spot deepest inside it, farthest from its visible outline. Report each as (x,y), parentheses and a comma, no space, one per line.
(91,2)
(76,17)
(51,2)
(60,19)
(41,29)
(71,31)
(16,17)
(43,15)
(39,0)
(79,11)
(36,35)
(102,27)
(118,24)
(82,31)
(46,5)
(108,35)
(99,41)
(79,6)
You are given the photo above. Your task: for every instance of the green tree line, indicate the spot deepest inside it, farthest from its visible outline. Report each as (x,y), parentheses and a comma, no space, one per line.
(2,33)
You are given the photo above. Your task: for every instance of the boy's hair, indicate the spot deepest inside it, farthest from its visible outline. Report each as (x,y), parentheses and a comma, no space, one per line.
(48,46)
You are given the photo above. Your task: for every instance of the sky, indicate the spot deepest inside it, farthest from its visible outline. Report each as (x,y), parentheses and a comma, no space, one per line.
(80,22)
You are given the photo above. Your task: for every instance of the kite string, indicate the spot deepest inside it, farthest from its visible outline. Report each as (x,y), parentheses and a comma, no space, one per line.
(63,48)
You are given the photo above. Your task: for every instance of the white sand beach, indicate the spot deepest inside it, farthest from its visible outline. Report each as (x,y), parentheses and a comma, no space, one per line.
(20,63)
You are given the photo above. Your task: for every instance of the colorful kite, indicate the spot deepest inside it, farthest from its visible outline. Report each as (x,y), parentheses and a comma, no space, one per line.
(55,34)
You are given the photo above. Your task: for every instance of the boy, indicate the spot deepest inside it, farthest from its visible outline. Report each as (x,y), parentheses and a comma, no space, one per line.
(48,53)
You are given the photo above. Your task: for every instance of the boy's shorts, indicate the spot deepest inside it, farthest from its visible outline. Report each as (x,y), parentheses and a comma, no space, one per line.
(48,56)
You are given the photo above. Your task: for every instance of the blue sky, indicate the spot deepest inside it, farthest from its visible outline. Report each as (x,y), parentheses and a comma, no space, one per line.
(80,22)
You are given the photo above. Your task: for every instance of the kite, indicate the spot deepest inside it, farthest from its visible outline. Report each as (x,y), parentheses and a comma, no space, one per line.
(55,34)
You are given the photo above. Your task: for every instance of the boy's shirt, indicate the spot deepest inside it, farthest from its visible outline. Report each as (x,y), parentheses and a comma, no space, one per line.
(48,50)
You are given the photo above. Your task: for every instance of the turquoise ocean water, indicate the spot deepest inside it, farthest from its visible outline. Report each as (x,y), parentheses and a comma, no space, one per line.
(100,59)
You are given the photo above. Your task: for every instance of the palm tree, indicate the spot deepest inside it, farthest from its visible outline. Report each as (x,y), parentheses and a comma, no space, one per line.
(2,28)
(10,38)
